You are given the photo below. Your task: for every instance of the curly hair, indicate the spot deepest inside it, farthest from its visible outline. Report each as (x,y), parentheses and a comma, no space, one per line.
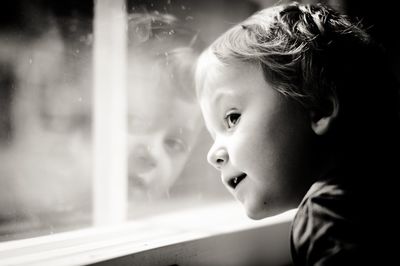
(296,46)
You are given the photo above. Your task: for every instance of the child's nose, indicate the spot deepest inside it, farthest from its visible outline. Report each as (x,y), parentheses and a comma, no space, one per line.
(141,160)
(218,157)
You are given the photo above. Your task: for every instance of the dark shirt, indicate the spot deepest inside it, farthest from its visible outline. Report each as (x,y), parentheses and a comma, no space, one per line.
(337,224)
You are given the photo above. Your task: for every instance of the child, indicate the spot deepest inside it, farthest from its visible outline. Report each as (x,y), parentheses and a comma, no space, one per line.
(304,113)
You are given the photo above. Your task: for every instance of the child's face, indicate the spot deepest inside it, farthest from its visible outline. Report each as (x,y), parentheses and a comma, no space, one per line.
(260,139)
(162,131)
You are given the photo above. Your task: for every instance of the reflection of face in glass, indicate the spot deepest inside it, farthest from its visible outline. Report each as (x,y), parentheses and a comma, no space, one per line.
(163,127)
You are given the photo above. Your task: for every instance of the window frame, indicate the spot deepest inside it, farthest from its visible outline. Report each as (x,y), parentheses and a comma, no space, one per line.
(187,237)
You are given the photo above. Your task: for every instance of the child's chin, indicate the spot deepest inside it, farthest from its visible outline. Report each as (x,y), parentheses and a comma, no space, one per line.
(255,216)
(255,213)
(260,212)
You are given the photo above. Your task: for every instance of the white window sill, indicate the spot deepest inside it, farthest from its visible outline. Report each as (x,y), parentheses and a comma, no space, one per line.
(217,235)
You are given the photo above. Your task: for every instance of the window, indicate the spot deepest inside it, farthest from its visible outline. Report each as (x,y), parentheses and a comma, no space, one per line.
(98,120)
(46,146)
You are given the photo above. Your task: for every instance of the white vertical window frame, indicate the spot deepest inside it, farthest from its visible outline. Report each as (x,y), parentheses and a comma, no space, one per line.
(109,111)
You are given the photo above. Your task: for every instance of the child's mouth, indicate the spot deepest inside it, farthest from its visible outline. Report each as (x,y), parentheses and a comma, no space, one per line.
(233,182)
(137,182)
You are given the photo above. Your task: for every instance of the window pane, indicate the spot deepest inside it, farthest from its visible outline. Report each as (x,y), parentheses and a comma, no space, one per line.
(47,94)
(45,118)
(168,143)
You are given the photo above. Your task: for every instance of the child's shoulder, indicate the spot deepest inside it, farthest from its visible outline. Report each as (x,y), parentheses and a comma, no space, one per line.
(326,222)
(326,191)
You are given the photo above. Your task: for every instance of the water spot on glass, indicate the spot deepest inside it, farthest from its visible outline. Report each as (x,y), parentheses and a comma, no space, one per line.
(30,60)
(183,7)
(169,2)
(77,51)
(188,18)
(80,99)
(142,32)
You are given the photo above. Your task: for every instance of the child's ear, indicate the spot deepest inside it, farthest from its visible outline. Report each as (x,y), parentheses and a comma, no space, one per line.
(322,118)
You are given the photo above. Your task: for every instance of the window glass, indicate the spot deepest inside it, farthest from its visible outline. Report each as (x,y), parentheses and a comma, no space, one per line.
(45,124)
(46,111)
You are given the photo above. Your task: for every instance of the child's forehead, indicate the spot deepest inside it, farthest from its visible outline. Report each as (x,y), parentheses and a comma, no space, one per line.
(215,75)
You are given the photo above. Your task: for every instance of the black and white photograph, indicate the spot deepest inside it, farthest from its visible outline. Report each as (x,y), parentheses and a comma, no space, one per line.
(199,132)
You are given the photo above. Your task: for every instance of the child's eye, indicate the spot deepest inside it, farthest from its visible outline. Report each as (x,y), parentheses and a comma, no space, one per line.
(175,145)
(232,118)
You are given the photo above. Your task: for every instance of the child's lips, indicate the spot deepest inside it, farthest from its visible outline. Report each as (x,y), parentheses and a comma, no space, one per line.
(234,181)
(137,182)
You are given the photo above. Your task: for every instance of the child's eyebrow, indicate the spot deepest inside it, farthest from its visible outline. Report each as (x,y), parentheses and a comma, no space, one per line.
(221,94)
